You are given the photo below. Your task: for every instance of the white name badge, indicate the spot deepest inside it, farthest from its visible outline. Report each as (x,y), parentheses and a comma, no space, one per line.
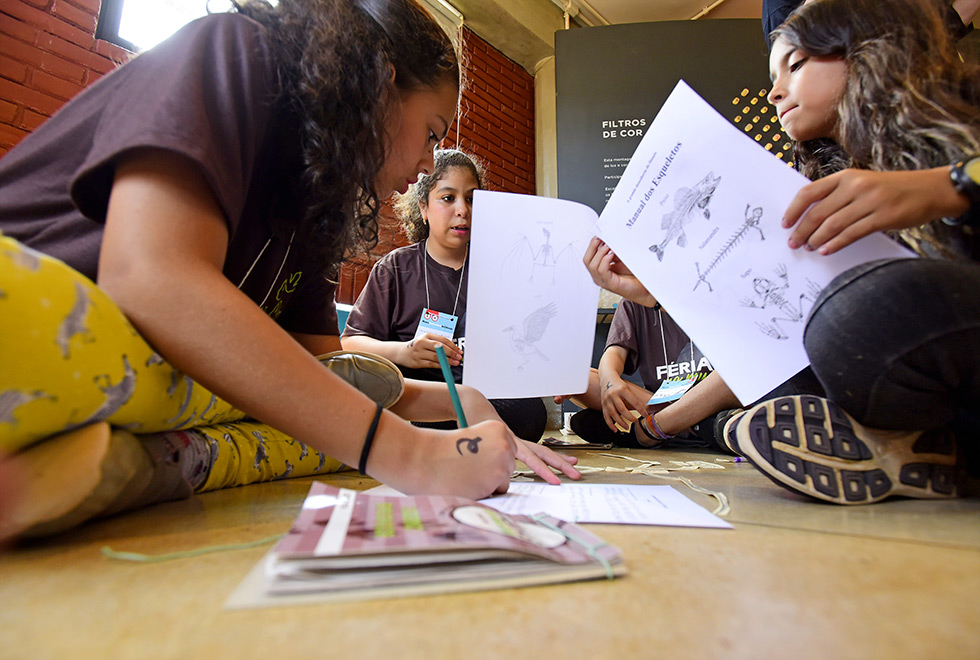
(672,389)
(436,323)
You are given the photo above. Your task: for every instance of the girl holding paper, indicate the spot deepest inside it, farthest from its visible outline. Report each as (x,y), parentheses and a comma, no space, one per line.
(886,117)
(415,296)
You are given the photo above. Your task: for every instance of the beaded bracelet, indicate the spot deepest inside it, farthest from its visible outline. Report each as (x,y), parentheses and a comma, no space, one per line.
(368,441)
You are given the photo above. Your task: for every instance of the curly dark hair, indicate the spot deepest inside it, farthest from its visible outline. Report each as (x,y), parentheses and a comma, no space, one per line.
(335,59)
(910,102)
(408,206)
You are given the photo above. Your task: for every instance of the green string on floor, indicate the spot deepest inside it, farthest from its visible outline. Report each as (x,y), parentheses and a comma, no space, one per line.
(150,559)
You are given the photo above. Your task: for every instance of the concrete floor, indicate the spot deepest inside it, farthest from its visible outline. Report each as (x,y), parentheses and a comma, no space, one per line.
(794,579)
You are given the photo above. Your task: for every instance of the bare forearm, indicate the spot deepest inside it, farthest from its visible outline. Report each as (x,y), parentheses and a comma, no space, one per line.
(393,350)
(429,401)
(317,344)
(590,397)
(478,408)
(282,384)
(611,366)
(706,398)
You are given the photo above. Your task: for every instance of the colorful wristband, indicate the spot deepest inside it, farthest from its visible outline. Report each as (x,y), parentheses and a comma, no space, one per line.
(652,429)
(659,432)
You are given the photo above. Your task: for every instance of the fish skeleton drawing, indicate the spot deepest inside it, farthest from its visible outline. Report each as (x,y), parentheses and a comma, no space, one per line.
(752,218)
(686,202)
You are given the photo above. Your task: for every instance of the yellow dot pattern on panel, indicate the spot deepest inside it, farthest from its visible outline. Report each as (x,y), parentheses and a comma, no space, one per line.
(756,117)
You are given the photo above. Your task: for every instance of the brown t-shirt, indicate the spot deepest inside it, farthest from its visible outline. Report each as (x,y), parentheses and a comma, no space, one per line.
(391,303)
(210,94)
(655,344)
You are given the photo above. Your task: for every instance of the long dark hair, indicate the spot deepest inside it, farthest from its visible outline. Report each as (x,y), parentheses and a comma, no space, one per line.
(909,103)
(335,60)
(408,206)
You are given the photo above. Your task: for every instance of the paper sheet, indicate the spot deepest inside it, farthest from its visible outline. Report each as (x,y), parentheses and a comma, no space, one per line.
(607,503)
(600,503)
(531,304)
(696,217)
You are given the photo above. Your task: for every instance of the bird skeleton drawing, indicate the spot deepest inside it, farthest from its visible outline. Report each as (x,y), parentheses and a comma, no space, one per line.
(523,341)
(687,203)
(775,296)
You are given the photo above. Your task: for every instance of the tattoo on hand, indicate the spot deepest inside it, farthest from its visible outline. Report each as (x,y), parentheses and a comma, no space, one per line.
(472,445)
(609,385)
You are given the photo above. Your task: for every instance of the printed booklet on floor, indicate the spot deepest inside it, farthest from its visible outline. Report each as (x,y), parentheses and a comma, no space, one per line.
(348,545)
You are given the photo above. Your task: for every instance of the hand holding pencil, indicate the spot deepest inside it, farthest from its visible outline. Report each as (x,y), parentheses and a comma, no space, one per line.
(537,457)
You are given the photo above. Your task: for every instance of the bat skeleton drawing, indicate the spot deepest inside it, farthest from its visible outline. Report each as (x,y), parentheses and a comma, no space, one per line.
(523,258)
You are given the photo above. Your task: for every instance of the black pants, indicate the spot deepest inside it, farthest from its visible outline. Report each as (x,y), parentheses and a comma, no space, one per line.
(526,418)
(897,343)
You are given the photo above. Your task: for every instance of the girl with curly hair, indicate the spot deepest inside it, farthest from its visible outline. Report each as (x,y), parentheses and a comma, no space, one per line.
(168,240)
(886,117)
(429,276)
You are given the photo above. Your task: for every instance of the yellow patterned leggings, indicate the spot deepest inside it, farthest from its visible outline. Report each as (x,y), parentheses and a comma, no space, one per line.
(69,358)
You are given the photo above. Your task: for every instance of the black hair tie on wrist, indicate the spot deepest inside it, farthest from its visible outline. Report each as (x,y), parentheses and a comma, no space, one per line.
(368,441)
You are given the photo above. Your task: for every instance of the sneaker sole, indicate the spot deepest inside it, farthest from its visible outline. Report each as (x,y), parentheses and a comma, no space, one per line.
(725,431)
(809,445)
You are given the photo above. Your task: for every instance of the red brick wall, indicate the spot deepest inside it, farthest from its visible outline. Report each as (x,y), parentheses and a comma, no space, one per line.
(496,120)
(48,53)
(496,124)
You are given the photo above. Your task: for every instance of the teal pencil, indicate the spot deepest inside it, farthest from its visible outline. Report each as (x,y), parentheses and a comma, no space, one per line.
(448,375)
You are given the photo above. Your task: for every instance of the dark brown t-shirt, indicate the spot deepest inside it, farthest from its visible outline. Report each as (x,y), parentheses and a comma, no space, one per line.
(209,93)
(655,344)
(391,303)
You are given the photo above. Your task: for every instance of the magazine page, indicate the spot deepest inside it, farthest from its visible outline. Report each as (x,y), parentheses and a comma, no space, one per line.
(347,545)
(344,524)
(697,218)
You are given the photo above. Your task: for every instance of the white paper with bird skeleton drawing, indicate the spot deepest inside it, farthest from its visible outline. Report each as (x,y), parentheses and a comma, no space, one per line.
(696,217)
(531,304)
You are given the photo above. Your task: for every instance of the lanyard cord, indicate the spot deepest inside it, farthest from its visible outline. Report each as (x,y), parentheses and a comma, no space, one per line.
(462,271)
(250,268)
(278,273)
(663,339)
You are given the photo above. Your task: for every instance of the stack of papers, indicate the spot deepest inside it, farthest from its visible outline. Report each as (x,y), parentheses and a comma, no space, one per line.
(348,545)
